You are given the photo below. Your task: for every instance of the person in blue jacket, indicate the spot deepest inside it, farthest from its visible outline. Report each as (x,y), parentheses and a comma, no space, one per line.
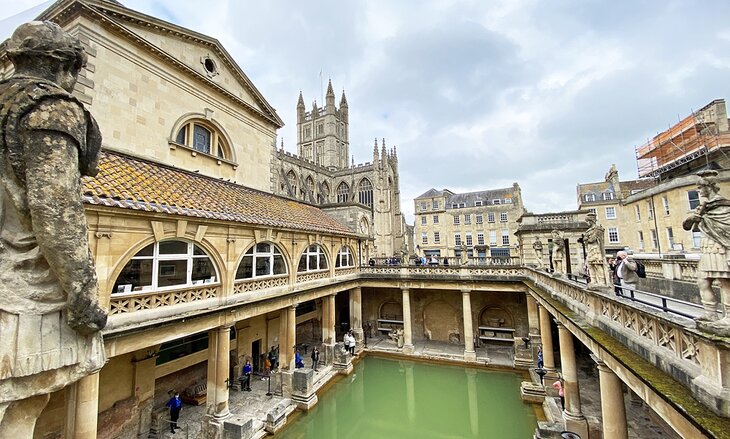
(175,405)
(298,362)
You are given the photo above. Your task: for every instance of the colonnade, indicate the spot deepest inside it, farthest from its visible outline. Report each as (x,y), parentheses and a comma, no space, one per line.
(611,388)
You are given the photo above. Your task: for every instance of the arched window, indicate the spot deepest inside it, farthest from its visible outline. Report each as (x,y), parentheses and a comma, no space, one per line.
(202,136)
(365,192)
(166,264)
(263,259)
(312,259)
(343,193)
(344,258)
(292,177)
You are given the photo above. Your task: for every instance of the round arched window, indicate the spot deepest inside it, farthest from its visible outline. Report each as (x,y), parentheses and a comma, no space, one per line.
(344,258)
(202,136)
(166,264)
(263,259)
(312,259)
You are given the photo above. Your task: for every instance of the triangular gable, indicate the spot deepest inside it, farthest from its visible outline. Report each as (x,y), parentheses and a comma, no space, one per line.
(180,46)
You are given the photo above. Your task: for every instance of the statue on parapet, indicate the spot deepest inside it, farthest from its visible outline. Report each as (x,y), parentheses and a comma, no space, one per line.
(50,317)
(712,218)
(537,247)
(595,255)
(558,252)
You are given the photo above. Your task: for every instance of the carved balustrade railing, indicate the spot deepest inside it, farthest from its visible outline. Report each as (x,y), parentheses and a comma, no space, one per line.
(343,271)
(684,270)
(313,275)
(124,303)
(255,284)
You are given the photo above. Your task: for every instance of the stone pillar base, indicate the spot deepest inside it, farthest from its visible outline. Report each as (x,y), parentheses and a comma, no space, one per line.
(303,390)
(238,427)
(213,427)
(305,402)
(408,349)
(576,424)
(470,356)
(342,360)
(284,380)
(327,355)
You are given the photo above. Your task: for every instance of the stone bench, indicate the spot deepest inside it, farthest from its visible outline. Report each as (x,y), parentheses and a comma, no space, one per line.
(196,395)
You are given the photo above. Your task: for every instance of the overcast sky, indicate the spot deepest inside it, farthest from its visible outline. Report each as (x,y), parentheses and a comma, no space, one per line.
(479,94)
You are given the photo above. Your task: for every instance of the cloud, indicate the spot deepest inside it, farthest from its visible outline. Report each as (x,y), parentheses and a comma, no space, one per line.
(478,95)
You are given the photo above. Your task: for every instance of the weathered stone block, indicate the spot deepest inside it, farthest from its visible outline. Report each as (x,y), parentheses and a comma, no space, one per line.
(238,427)
(302,381)
(276,417)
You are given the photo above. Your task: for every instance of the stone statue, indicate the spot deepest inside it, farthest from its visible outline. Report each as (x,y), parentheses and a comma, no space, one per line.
(558,252)
(537,246)
(712,218)
(49,312)
(595,258)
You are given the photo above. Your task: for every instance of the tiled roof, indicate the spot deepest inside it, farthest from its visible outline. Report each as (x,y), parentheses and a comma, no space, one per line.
(137,184)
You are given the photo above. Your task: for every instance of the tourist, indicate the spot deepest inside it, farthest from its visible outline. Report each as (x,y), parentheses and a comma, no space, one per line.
(540,363)
(612,265)
(245,378)
(558,385)
(433,261)
(315,358)
(346,342)
(626,271)
(267,369)
(446,262)
(298,362)
(175,405)
(273,358)
(353,342)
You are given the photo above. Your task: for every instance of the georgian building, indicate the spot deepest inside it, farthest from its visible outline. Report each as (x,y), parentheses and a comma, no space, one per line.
(606,199)
(366,197)
(469,225)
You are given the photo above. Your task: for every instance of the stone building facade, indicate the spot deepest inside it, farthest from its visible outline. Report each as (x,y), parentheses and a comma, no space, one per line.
(468,225)
(606,199)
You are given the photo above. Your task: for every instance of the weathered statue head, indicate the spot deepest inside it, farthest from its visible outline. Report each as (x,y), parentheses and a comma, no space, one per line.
(591,218)
(42,49)
(708,183)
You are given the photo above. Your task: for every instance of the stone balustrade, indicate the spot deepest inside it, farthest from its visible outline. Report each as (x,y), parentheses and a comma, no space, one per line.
(125,303)
(684,270)
(312,275)
(255,284)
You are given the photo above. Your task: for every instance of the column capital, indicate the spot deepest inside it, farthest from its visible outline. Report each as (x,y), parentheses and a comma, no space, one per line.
(405,290)
(560,325)
(465,290)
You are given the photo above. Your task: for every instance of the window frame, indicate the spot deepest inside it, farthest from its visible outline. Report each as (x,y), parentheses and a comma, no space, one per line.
(613,236)
(611,209)
(219,146)
(316,251)
(345,253)
(189,257)
(255,255)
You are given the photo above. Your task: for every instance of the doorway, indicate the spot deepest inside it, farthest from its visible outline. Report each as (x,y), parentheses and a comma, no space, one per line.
(255,354)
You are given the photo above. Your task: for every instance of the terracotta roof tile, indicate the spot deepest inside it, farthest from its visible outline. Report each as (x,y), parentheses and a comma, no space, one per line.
(132,183)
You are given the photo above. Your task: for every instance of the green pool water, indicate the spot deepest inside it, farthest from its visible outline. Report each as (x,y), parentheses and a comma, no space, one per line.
(387,398)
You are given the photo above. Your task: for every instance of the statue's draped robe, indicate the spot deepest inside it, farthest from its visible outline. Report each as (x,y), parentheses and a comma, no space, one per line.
(715,224)
(44,250)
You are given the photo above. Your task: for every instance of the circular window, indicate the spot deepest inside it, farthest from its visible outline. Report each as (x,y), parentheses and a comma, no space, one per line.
(209,65)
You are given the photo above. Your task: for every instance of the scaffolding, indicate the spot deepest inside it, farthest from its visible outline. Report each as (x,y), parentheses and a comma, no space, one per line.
(695,136)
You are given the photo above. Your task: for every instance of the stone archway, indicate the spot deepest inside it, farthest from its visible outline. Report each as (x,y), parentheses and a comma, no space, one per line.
(441,323)
(496,317)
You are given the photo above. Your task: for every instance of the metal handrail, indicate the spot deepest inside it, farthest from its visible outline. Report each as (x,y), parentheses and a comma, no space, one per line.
(665,302)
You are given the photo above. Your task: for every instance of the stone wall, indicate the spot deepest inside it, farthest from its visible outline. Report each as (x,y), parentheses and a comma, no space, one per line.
(179,381)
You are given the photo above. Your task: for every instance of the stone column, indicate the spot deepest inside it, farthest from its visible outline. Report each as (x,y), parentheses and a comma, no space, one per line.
(546,339)
(219,347)
(356,315)
(613,407)
(291,336)
(574,419)
(471,389)
(469,352)
(533,319)
(407,331)
(87,407)
(410,392)
(328,329)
